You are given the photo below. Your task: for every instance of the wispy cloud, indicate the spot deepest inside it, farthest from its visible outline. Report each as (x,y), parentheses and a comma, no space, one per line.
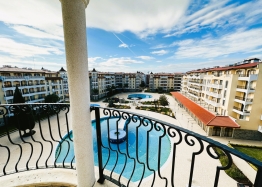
(219,14)
(36,33)
(145,57)
(242,41)
(29,14)
(123,45)
(113,64)
(160,52)
(14,48)
(139,17)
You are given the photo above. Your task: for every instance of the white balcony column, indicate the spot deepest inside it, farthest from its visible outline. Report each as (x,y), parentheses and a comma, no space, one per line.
(74,24)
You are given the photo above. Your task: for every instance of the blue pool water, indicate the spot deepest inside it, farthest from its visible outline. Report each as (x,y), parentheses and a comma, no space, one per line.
(139,96)
(153,149)
(94,105)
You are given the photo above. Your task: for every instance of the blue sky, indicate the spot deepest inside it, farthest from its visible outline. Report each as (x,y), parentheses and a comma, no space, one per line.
(130,36)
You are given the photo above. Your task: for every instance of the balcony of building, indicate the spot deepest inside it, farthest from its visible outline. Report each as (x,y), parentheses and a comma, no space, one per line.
(192,94)
(243,100)
(123,158)
(241,111)
(212,102)
(217,86)
(193,88)
(214,94)
(118,154)
(250,77)
(245,89)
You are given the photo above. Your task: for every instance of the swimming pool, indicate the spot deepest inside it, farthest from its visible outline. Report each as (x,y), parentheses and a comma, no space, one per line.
(139,96)
(140,144)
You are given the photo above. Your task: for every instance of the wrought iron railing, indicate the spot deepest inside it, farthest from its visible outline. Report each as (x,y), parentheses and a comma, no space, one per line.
(132,145)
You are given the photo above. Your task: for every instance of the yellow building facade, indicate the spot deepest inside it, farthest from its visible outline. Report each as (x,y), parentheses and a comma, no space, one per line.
(234,90)
(34,84)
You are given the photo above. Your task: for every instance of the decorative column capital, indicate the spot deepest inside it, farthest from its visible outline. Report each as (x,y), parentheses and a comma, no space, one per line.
(86,2)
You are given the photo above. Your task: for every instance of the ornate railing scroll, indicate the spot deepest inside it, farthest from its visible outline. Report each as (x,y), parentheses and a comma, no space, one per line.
(130,148)
(133,156)
(28,151)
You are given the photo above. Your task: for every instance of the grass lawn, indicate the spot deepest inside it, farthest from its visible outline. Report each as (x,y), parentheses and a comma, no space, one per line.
(255,152)
(162,110)
(233,171)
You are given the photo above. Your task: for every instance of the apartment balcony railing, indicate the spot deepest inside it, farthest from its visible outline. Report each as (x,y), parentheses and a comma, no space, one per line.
(241,111)
(251,77)
(12,78)
(212,102)
(217,86)
(214,94)
(126,143)
(241,87)
(244,99)
(245,89)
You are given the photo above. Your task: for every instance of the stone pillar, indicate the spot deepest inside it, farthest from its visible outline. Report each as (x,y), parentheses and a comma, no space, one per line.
(74,24)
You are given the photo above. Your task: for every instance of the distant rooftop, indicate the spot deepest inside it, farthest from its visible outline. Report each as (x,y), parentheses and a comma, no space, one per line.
(247,63)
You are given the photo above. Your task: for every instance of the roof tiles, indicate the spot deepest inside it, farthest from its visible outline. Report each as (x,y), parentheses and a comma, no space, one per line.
(208,118)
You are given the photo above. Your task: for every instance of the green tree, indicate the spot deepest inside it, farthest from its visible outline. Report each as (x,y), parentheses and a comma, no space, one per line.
(109,90)
(142,85)
(160,89)
(53,98)
(23,119)
(18,98)
(125,85)
(95,91)
(163,100)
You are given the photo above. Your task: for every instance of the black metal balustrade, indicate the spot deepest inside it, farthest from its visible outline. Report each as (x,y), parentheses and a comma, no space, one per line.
(18,153)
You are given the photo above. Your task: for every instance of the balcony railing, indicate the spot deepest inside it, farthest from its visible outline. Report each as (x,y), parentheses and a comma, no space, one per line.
(126,143)
(241,87)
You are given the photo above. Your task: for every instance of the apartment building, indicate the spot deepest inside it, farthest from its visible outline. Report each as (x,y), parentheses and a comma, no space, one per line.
(101,81)
(34,84)
(165,81)
(234,90)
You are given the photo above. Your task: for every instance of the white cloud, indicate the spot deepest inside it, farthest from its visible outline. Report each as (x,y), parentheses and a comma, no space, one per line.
(35,64)
(125,64)
(32,32)
(219,14)
(43,15)
(145,57)
(160,52)
(160,46)
(123,45)
(238,42)
(139,17)
(14,48)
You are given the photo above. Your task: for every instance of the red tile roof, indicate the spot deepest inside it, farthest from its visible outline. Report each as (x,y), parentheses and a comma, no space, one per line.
(204,115)
(241,66)
(223,121)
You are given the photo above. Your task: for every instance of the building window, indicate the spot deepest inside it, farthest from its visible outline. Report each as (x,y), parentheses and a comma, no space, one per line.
(228,132)
(226,84)
(242,117)
(223,103)
(216,131)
